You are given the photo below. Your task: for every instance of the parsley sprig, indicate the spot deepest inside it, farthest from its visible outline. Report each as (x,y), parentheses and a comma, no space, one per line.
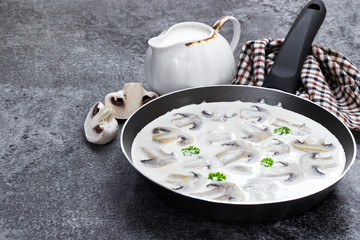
(267,162)
(189,151)
(282,130)
(217,175)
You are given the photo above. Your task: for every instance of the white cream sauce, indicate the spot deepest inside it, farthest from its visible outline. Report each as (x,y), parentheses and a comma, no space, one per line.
(293,174)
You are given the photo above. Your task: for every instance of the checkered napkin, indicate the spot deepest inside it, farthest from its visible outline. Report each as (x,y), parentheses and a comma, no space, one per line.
(328,78)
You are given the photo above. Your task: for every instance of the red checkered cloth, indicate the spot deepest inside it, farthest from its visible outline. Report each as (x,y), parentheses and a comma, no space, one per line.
(328,78)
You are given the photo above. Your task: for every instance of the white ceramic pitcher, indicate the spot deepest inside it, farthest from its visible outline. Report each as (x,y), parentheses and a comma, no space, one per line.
(191,54)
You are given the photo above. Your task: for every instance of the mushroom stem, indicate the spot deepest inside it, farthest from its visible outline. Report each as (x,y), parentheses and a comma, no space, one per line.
(105,114)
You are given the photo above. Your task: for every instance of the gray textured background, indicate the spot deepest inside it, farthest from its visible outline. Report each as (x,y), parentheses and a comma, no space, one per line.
(58,57)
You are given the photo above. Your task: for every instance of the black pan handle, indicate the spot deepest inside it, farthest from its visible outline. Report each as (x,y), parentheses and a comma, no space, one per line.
(286,70)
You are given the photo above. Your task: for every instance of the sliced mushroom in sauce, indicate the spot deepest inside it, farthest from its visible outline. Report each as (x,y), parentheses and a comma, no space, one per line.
(315,164)
(223,191)
(187,119)
(157,157)
(167,134)
(185,181)
(235,151)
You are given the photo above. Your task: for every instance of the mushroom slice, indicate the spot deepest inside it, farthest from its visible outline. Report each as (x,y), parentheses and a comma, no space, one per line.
(191,181)
(256,114)
(282,169)
(157,157)
(314,164)
(295,129)
(260,189)
(236,151)
(129,99)
(241,169)
(168,134)
(224,191)
(214,136)
(254,133)
(187,119)
(200,162)
(217,117)
(100,125)
(313,145)
(278,147)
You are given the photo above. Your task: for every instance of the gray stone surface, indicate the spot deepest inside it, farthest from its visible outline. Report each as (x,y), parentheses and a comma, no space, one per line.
(58,57)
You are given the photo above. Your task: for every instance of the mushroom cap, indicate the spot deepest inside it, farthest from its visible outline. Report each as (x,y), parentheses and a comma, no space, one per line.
(100,125)
(129,99)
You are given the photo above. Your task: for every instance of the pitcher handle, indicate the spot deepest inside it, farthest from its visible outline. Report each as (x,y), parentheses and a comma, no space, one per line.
(236,27)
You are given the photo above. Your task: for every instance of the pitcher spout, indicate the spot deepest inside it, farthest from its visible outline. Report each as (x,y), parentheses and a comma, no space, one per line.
(158,41)
(187,33)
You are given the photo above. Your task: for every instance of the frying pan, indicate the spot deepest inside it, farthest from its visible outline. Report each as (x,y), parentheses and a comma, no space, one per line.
(281,82)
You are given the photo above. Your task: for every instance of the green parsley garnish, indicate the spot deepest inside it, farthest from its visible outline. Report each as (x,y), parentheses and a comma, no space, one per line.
(190,151)
(219,176)
(267,162)
(282,130)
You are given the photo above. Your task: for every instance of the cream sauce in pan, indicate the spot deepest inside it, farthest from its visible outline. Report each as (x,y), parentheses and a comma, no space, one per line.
(234,138)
